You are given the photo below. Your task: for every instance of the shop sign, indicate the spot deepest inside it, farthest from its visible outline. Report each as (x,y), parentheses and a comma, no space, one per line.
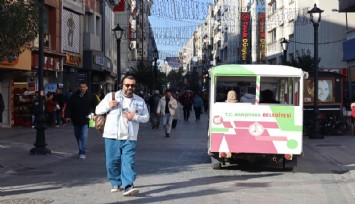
(50,63)
(99,60)
(245,23)
(262,47)
(72,59)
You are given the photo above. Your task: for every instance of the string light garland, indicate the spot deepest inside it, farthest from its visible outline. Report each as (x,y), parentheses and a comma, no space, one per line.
(185,11)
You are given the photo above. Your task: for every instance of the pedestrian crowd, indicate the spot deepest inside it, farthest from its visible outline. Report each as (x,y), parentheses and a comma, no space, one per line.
(125,109)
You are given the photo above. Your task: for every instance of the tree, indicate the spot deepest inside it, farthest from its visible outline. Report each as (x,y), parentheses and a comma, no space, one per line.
(305,62)
(143,74)
(193,80)
(18,27)
(176,78)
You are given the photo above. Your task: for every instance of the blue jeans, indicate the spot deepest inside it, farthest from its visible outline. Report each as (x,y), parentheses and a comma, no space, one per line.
(120,160)
(81,135)
(167,122)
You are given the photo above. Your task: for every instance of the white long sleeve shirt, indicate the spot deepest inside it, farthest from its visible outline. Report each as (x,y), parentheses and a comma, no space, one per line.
(113,128)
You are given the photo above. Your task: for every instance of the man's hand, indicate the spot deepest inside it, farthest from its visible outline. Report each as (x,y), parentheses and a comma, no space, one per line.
(113,103)
(129,116)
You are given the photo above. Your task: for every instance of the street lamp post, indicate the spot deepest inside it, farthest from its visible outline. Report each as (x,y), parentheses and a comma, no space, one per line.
(315,15)
(118,31)
(155,71)
(284,46)
(40,144)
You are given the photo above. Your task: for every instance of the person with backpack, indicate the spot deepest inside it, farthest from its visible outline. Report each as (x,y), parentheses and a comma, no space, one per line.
(124,114)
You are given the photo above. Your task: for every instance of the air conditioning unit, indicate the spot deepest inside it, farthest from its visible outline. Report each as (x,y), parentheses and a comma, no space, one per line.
(113,2)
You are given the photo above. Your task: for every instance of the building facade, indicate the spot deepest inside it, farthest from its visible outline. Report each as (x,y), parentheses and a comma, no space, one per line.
(19,79)
(79,46)
(347,10)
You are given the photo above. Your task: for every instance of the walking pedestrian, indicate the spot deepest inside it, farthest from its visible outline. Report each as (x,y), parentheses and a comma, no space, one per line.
(153,105)
(166,108)
(82,104)
(35,108)
(197,103)
(59,98)
(186,100)
(50,106)
(177,112)
(205,99)
(121,131)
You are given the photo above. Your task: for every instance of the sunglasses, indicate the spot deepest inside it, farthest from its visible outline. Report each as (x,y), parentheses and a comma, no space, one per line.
(130,85)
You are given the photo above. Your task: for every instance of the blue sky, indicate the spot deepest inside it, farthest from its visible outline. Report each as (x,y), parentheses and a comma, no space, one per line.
(173,22)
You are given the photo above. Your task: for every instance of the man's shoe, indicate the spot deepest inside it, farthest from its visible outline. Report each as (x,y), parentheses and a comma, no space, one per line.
(167,135)
(130,191)
(82,156)
(115,189)
(153,127)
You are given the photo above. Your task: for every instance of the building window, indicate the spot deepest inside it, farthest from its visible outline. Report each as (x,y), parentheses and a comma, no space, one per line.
(273,35)
(98,26)
(46,20)
(89,23)
(273,7)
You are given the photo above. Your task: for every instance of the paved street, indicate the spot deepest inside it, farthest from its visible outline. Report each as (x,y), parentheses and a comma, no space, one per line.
(170,170)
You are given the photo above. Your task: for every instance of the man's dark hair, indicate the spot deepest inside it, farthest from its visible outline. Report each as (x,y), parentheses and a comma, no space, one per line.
(128,77)
(168,90)
(83,82)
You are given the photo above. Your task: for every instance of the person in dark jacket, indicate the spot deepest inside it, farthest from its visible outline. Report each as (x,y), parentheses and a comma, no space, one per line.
(82,104)
(197,103)
(153,104)
(186,100)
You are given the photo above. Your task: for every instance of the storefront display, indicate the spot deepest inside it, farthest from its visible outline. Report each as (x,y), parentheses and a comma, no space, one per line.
(22,103)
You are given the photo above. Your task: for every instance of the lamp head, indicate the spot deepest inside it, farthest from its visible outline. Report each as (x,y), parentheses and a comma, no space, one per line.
(315,14)
(118,31)
(284,44)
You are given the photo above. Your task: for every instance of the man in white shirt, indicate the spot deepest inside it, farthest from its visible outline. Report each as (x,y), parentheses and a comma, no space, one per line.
(121,131)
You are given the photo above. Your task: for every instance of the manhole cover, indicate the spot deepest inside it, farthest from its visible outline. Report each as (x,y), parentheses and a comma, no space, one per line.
(328,145)
(26,201)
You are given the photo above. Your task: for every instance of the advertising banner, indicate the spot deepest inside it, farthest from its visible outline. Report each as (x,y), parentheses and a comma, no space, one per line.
(245,44)
(261,28)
